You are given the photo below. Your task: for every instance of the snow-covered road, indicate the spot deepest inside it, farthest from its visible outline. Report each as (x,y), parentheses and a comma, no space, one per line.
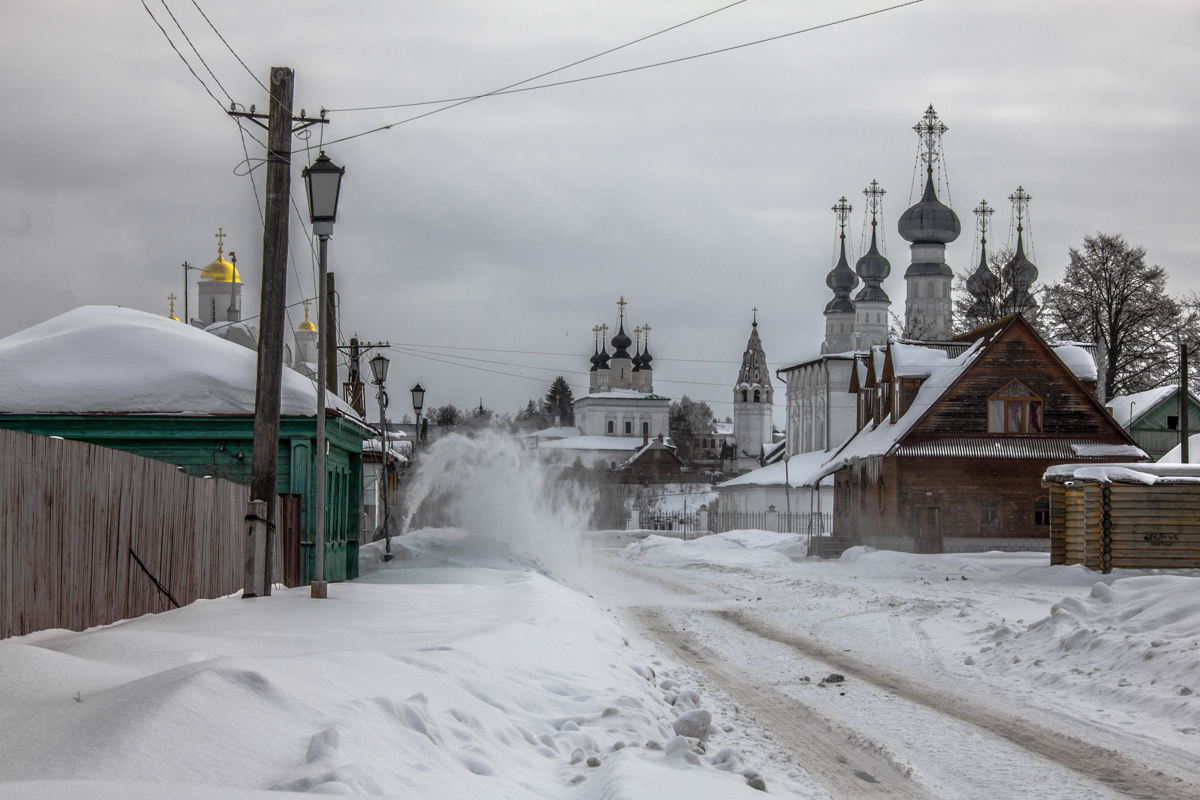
(965,676)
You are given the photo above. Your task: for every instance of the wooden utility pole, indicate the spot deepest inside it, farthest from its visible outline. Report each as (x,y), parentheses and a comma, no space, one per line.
(260,538)
(330,334)
(1184,396)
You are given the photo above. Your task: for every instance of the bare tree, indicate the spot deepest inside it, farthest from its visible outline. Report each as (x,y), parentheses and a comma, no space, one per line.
(689,419)
(1109,295)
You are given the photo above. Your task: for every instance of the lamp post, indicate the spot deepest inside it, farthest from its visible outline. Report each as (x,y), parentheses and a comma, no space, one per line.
(323,182)
(379,369)
(418,400)
(787,490)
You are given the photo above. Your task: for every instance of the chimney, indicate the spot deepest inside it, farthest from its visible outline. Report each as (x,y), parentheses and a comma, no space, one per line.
(645,439)
(660,439)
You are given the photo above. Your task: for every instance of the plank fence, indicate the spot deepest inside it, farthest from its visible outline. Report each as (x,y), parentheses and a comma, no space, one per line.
(90,535)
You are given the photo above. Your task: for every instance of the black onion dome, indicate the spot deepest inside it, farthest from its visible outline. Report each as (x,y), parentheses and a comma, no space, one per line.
(982,282)
(1020,271)
(602,359)
(842,280)
(595,359)
(930,221)
(647,358)
(637,360)
(620,342)
(873,268)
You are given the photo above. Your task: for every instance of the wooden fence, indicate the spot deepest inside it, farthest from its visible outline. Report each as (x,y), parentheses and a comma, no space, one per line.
(90,535)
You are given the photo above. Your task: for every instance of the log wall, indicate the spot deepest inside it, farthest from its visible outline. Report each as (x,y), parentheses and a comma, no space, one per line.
(74,515)
(1150,526)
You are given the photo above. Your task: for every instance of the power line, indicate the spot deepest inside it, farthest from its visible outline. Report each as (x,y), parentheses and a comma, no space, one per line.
(231,50)
(194,50)
(509,90)
(551,72)
(545,353)
(181,58)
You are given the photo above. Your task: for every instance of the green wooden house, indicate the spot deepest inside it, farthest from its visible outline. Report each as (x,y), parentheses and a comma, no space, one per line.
(144,384)
(1152,418)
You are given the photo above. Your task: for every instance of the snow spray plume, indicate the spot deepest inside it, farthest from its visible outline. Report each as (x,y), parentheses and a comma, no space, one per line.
(490,487)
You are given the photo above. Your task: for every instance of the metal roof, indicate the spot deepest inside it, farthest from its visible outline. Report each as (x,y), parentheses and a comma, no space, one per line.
(1000,447)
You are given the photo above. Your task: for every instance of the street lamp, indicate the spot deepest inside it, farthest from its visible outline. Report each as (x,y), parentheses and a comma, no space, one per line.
(787,490)
(379,369)
(418,400)
(322,181)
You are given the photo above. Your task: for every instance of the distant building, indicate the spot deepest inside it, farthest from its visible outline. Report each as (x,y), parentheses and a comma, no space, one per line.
(753,403)
(1152,418)
(621,401)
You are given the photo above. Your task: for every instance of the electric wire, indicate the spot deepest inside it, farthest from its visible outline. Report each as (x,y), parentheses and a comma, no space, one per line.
(187,39)
(181,57)
(498,92)
(231,50)
(546,353)
(546,74)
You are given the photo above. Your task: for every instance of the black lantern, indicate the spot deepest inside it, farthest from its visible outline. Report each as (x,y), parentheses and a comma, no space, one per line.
(418,398)
(323,181)
(379,368)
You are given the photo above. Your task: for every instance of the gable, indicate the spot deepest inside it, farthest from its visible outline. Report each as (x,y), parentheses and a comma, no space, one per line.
(1156,418)
(1018,353)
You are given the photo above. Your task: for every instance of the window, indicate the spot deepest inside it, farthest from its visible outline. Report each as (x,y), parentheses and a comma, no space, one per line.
(1172,423)
(628,427)
(645,429)
(744,395)
(989,512)
(611,426)
(1041,512)
(757,396)
(1015,409)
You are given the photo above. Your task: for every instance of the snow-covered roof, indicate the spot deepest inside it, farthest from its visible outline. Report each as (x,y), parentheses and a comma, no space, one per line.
(940,372)
(722,429)
(622,394)
(110,360)
(801,471)
(552,433)
(1175,455)
(1139,404)
(1078,360)
(1148,474)
(375,447)
(593,443)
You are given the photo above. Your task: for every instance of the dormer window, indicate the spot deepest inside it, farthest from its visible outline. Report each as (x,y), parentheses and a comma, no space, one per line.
(1015,409)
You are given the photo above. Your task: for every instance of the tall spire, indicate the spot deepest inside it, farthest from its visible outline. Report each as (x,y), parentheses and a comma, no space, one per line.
(841,279)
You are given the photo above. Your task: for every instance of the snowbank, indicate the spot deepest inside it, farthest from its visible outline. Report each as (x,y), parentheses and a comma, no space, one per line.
(418,681)
(109,360)
(1136,642)
(732,549)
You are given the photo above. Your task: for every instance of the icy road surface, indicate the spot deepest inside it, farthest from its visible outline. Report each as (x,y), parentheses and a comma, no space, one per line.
(985,676)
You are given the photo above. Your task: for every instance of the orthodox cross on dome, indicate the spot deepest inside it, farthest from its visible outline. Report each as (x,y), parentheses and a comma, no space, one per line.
(604,331)
(646,333)
(171,297)
(305,310)
(874,194)
(621,305)
(842,211)
(637,332)
(596,336)
(982,212)
(930,130)
(755,311)
(1020,200)
(220,234)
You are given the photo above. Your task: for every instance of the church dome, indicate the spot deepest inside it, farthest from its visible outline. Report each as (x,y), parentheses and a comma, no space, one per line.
(620,342)
(929,221)
(842,280)
(595,359)
(873,268)
(307,326)
(220,270)
(1020,270)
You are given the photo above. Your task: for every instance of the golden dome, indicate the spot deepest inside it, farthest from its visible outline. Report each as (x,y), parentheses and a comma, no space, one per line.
(220,270)
(306,325)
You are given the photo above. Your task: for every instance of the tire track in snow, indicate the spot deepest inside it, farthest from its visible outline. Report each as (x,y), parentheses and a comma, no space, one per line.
(843,769)
(1107,767)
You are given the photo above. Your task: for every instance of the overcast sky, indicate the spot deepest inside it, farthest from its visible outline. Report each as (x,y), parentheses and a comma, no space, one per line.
(697,190)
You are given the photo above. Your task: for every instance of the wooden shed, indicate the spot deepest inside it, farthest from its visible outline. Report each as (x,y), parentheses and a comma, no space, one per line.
(1136,516)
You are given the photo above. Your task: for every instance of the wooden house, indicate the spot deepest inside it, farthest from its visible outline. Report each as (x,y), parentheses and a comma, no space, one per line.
(147,385)
(654,457)
(1138,516)
(953,440)
(1152,417)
